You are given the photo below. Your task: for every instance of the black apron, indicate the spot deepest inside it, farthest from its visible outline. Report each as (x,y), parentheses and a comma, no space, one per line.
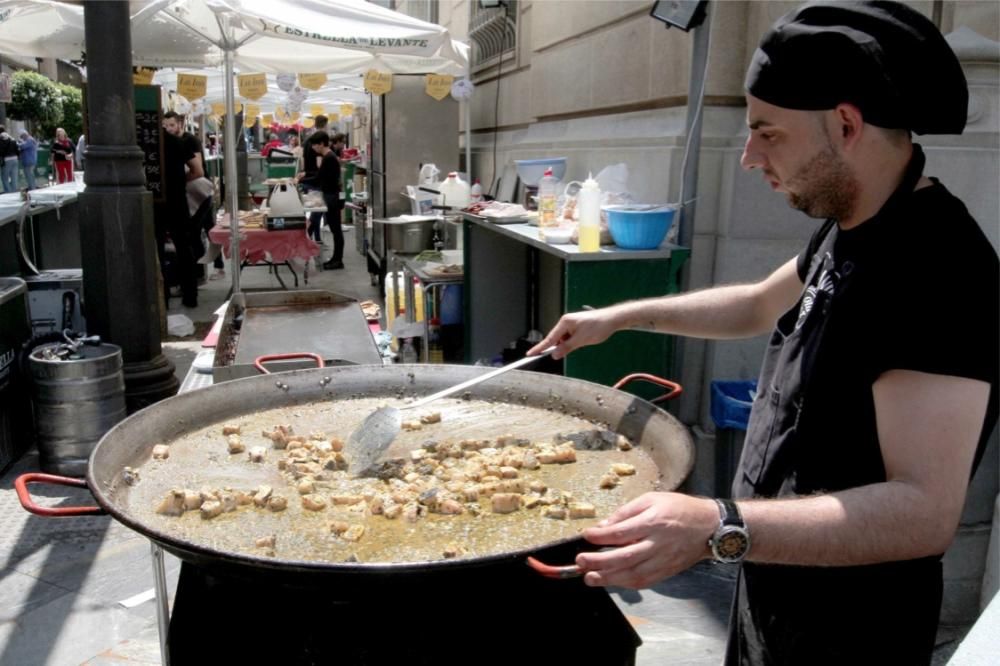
(790,615)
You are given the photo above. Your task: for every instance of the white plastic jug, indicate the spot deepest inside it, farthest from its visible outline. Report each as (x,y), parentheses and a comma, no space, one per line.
(454,191)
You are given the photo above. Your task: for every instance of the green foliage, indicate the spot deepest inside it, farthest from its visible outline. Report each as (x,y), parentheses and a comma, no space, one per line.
(35,99)
(72,116)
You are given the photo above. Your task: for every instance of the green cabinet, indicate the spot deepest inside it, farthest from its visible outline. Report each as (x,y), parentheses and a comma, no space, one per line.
(515,282)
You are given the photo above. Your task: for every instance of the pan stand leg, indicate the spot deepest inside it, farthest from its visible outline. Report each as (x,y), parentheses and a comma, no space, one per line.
(162,602)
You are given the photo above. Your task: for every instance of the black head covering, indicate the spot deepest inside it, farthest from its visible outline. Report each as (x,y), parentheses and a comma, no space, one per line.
(885,58)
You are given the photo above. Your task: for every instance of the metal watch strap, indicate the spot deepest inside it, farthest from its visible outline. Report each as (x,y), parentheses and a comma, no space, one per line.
(729,513)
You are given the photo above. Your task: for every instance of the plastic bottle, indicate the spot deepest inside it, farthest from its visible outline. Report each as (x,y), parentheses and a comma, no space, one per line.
(455,191)
(435,351)
(547,199)
(409,353)
(589,205)
(476,192)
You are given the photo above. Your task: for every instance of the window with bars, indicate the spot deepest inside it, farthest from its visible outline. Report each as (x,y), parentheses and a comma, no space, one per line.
(492,32)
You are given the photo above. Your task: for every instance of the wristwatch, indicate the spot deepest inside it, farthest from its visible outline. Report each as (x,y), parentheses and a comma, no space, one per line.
(731,541)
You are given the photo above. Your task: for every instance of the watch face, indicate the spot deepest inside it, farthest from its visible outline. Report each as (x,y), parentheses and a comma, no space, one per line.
(731,545)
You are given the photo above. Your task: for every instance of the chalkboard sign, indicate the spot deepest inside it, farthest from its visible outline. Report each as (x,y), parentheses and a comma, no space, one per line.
(149,136)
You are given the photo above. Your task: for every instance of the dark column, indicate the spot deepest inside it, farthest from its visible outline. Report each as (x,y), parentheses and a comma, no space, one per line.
(116,214)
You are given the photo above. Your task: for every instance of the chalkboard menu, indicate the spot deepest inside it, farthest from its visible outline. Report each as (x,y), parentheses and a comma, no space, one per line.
(149,136)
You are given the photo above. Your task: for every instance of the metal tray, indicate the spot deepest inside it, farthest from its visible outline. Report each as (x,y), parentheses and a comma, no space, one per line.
(283,322)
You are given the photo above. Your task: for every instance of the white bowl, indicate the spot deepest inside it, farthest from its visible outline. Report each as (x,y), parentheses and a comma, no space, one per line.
(531,171)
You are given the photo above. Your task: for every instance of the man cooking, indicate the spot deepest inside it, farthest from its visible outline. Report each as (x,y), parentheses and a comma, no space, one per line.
(878,389)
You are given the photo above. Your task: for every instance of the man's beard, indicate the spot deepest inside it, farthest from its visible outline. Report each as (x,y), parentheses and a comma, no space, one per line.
(825,186)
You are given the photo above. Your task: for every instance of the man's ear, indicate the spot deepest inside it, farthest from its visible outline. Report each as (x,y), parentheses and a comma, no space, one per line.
(848,122)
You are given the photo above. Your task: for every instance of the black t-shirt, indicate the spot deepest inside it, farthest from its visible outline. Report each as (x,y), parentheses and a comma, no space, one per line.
(328,177)
(176,154)
(309,156)
(191,143)
(892,293)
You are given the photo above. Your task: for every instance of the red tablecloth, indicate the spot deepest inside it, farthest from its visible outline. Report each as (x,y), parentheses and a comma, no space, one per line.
(263,245)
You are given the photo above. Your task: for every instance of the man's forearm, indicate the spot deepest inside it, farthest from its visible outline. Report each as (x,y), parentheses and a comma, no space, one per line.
(876,523)
(719,313)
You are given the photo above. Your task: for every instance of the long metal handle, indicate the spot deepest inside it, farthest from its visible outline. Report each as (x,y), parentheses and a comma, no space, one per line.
(481,378)
(162,601)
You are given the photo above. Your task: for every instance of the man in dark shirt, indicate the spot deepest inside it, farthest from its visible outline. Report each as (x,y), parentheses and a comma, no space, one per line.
(171,217)
(878,390)
(327,180)
(310,165)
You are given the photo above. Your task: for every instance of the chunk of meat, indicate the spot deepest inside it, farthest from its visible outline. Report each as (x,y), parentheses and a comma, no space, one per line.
(234,444)
(623,443)
(130,476)
(161,452)
(582,510)
(609,481)
(337,443)
(277,503)
(345,500)
(313,502)
(433,417)
(338,527)
(450,507)
(257,454)
(623,469)
(244,498)
(505,502)
(266,541)
(412,512)
(508,473)
(392,511)
(453,550)
(530,501)
(231,429)
(192,500)
(262,495)
(317,436)
(172,504)
(211,509)
(537,486)
(413,424)
(228,501)
(555,512)
(354,533)
(305,486)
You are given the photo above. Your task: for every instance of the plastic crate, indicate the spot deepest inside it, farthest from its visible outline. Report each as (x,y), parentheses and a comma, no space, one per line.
(731,403)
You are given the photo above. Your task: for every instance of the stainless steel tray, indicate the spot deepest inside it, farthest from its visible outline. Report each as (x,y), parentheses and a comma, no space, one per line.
(283,322)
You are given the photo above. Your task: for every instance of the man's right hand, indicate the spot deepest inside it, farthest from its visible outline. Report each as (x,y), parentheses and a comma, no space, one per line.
(577,329)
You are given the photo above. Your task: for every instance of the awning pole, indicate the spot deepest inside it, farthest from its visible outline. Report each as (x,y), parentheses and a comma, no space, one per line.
(468,140)
(229,169)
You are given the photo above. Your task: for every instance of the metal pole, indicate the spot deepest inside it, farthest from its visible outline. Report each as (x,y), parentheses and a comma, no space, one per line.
(229,168)
(468,139)
(686,408)
(162,603)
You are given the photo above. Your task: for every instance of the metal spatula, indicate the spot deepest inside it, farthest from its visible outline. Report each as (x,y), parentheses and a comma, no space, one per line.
(376,433)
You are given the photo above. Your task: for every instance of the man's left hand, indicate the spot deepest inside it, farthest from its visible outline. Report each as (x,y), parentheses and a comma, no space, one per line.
(657,535)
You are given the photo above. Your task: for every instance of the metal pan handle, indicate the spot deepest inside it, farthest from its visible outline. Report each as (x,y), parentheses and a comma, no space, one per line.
(21,485)
(675,388)
(261,360)
(550,571)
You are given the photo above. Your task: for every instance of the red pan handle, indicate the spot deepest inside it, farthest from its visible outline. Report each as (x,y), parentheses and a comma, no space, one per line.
(261,360)
(675,388)
(549,571)
(21,485)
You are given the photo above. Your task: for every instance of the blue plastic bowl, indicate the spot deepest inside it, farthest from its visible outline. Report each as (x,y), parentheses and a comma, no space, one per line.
(634,228)
(531,171)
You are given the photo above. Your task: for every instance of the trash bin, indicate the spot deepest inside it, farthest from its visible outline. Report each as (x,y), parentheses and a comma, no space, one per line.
(16,433)
(731,403)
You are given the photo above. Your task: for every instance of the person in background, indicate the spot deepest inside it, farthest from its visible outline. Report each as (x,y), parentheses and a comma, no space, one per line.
(309,168)
(272,142)
(81,147)
(29,157)
(172,217)
(327,180)
(62,156)
(8,160)
(878,390)
(199,189)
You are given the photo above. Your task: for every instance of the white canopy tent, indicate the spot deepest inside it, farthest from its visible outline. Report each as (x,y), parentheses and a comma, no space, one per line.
(271,36)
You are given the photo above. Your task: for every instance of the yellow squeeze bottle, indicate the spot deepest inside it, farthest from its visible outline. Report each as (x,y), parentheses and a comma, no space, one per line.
(589,206)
